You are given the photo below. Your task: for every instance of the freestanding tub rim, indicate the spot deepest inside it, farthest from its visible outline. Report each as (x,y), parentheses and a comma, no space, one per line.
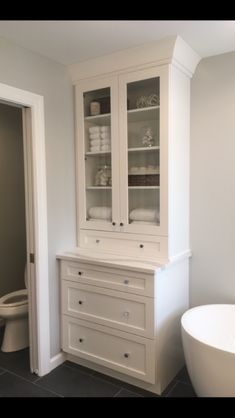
(212,325)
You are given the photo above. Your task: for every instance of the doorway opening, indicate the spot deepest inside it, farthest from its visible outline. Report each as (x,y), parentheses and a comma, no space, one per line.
(32,222)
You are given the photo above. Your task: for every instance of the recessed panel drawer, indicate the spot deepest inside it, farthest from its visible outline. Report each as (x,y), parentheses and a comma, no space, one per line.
(138,283)
(139,246)
(131,313)
(118,350)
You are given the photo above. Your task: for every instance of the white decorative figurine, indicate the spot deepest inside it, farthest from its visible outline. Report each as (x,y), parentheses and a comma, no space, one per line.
(147,138)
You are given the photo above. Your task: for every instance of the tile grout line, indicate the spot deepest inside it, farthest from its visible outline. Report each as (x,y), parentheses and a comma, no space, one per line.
(48,390)
(173,387)
(116,394)
(3,372)
(77,369)
(28,381)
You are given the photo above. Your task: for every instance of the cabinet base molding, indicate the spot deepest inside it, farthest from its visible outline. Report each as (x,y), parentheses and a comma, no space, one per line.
(156,388)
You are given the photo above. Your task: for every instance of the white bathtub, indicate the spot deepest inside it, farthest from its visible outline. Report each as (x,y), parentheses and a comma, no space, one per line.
(208,334)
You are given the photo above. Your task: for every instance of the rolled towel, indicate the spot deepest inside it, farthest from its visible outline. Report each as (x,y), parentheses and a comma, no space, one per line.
(95,136)
(100,212)
(105,141)
(145,214)
(104,129)
(94,130)
(94,149)
(105,148)
(105,135)
(95,142)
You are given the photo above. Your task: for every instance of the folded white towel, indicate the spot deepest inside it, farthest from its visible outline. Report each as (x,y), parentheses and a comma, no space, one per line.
(105,135)
(104,129)
(94,149)
(145,214)
(105,141)
(105,148)
(95,142)
(100,212)
(94,129)
(95,136)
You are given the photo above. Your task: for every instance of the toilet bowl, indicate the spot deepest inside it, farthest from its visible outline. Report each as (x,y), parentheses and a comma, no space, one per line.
(14,311)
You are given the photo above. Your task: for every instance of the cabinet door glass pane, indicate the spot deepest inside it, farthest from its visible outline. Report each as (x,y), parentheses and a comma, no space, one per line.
(98,169)
(143,112)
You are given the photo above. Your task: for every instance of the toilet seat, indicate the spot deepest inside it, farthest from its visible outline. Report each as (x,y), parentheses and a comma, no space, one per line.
(14,299)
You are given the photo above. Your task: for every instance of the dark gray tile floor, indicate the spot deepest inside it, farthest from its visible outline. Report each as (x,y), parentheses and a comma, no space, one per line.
(72,380)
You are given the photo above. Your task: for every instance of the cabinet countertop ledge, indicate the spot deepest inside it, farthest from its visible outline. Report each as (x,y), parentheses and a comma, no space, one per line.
(111,260)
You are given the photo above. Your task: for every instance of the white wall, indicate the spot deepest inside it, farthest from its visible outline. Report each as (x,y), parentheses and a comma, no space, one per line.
(213,181)
(12,201)
(26,70)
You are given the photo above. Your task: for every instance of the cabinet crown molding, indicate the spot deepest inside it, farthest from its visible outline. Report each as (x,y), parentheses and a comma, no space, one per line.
(170,50)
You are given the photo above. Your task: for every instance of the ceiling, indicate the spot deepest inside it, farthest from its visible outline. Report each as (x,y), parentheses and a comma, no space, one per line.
(69,42)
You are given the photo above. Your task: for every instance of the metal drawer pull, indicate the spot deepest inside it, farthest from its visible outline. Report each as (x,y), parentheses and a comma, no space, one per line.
(97,241)
(80,302)
(126,355)
(126,281)
(141,245)
(126,314)
(80,273)
(80,340)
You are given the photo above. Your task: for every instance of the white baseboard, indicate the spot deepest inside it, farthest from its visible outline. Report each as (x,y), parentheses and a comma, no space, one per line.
(57,360)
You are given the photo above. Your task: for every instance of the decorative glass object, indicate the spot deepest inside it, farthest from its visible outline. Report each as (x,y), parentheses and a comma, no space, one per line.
(103,176)
(147,139)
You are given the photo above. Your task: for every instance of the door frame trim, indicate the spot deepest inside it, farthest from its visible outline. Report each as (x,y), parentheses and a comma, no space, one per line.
(40,337)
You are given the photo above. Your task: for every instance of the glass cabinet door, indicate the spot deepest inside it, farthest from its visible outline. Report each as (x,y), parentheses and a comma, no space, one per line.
(97,148)
(142,206)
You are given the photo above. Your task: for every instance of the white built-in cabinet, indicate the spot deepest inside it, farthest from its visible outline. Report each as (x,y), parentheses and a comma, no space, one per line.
(131,141)
(125,285)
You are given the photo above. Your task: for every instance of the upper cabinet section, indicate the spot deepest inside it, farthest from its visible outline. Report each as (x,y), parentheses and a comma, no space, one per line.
(122,136)
(132,137)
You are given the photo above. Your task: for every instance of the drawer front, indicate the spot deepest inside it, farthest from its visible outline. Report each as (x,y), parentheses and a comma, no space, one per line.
(143,248)
(136,283)
(131,313)
(117,350)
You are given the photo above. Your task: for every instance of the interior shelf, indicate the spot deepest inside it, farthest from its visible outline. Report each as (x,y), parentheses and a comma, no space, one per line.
(141,149)
(143,187)
(98,117)
(94,153)
(142,114)
(99,188)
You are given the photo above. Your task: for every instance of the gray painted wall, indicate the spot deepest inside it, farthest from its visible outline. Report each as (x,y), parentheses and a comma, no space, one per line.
(213,181)
(28,71)
(12,201)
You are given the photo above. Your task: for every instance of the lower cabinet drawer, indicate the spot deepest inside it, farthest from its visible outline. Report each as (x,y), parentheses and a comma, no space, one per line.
(130,282)
(120,351)
(127,312)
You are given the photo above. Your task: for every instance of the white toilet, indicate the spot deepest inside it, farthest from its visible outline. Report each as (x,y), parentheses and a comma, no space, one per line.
(14,311)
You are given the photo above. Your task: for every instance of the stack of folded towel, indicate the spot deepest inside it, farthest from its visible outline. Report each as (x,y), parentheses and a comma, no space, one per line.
(145,216)
(103,213)
(100,138)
